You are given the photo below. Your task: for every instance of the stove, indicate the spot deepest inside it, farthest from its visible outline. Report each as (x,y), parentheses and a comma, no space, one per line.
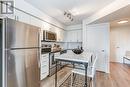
(52,62)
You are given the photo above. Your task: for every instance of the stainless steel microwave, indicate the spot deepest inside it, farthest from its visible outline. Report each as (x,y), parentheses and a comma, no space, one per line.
(49,36)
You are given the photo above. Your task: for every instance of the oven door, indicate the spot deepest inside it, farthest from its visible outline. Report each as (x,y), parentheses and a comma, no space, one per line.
(45,50)
(52,67)
(52,60)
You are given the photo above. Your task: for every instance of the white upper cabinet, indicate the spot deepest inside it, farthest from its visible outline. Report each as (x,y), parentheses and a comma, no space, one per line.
(36,22)
(60,36)
(73,36)
(79,35)
(22,17)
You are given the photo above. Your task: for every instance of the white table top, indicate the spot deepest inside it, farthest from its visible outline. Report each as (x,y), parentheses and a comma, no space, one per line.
(70,56)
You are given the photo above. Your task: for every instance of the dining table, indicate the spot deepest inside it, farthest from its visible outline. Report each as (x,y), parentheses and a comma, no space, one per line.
(83,58)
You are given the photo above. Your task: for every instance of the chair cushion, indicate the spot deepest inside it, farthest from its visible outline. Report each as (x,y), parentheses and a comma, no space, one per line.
(82,72)
(127,57)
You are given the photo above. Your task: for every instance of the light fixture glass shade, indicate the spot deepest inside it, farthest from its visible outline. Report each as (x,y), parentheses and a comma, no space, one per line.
(122,22)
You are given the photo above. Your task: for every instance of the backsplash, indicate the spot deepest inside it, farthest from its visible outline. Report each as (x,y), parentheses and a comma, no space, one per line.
(64,45)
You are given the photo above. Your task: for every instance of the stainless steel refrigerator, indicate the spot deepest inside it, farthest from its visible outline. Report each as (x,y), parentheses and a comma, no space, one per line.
(22,54)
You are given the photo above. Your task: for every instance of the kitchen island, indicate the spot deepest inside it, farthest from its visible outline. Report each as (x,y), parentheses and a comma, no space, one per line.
(82,58)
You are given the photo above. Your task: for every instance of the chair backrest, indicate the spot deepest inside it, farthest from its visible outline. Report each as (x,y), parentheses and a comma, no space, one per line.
(93,56)
(94,62)
(127,53)
(93,67)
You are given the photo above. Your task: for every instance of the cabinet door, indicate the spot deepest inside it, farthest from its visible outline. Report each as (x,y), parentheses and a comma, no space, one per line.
(60,35)
(44,66)
(72,36)
(79,35)
(22,17)
(69,36)
(11,16)
(36,22)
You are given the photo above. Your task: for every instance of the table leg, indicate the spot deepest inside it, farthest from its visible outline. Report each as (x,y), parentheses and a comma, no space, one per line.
(86,80)
(56,75)
(123,60)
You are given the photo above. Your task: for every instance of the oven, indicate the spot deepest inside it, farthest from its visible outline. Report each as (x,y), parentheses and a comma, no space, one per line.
(46,48)
(52,62)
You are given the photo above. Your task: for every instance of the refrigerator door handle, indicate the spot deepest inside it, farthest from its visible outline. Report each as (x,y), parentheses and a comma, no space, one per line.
(38,59)
(39,51)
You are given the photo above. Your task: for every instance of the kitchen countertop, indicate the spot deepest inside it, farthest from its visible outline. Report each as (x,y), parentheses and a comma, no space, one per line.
(54,51)
(83,57)
(57,51)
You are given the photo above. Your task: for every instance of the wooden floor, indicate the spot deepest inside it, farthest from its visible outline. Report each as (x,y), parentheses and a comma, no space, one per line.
(119,77)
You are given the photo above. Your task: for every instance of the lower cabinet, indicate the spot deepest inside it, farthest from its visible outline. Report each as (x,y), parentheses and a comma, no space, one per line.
(44,66)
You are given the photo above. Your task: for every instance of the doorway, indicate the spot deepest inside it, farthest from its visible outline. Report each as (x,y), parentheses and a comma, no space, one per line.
(119,40)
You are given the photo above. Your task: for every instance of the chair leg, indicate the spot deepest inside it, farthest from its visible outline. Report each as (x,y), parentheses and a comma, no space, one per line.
(94,81)
(123,60)
(90,83)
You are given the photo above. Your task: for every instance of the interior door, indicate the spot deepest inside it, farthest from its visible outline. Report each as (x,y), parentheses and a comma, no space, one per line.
(98,41)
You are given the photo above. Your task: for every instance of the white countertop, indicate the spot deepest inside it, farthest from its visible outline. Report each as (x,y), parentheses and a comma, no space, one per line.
(70,56)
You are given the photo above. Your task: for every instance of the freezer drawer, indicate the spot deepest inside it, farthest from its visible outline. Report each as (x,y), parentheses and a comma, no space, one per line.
(21,35)
(23,68)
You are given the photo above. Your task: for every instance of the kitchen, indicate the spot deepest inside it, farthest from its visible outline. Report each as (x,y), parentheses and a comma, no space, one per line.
(57,34)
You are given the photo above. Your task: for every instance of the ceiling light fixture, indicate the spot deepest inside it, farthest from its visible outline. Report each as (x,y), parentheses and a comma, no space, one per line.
(68,15)
(122,22)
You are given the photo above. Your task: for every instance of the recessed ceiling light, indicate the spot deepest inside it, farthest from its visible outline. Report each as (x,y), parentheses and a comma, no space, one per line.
(121,22)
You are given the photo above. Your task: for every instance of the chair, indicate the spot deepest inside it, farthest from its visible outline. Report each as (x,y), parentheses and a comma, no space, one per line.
(127,56)
(91,72)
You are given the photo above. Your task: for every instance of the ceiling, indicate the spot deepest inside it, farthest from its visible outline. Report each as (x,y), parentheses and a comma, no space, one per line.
(80,9)
(121,14)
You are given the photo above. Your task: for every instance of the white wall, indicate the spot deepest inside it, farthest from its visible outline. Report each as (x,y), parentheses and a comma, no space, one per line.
(119,42)
(23,5)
